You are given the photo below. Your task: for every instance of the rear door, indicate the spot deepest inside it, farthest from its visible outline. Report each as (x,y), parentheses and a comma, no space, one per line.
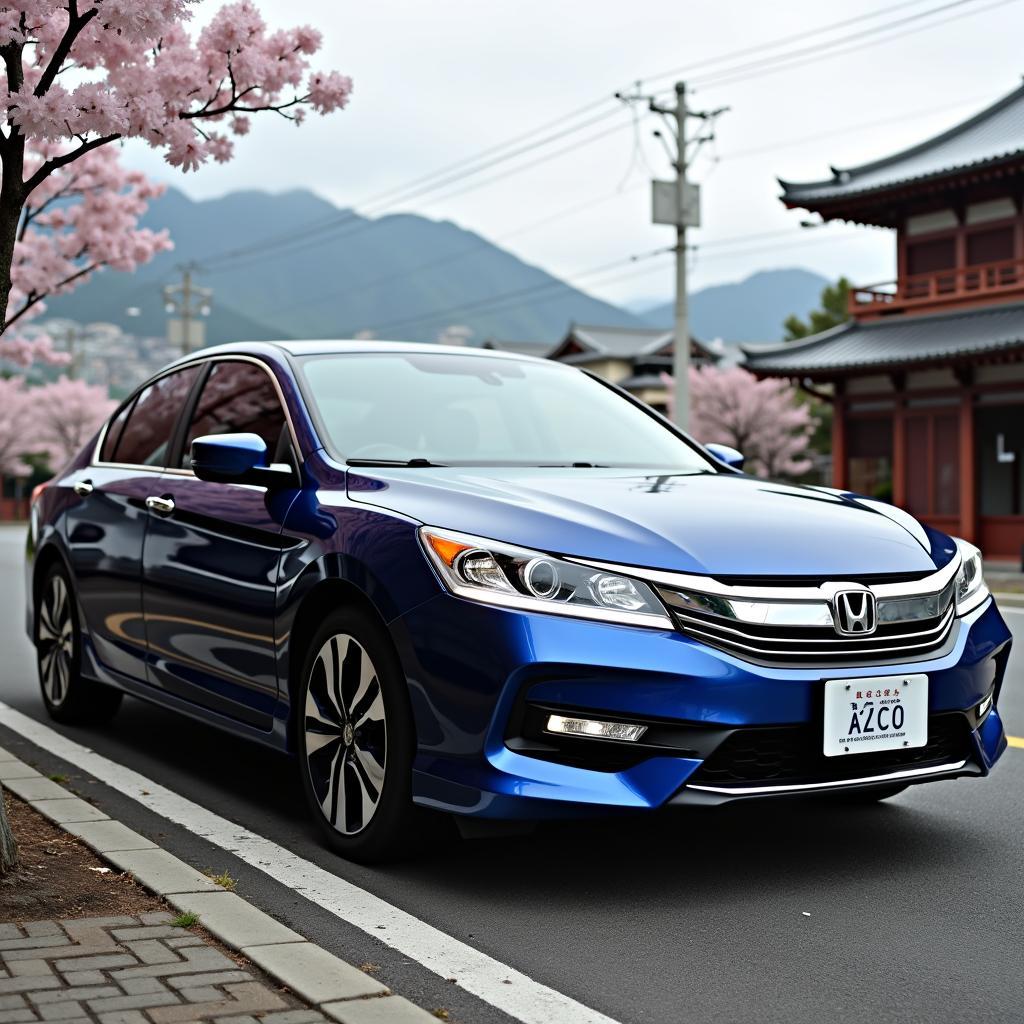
(106,523)
(211,559)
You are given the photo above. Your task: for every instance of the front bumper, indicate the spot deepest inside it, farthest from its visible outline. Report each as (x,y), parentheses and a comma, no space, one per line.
(477,674)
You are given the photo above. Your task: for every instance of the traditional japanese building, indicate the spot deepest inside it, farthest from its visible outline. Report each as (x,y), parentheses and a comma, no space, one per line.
(927,377)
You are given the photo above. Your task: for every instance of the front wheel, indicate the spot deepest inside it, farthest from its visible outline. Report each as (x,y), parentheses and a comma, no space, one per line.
(356,738)
(68,697)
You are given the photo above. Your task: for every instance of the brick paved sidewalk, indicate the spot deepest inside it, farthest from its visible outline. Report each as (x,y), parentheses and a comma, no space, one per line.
(131,970)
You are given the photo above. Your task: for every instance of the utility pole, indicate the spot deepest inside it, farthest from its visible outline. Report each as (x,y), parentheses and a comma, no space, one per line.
(190,303)
(677,203)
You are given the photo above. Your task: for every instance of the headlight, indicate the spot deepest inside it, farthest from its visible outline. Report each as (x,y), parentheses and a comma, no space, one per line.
(495,573)
(970,583)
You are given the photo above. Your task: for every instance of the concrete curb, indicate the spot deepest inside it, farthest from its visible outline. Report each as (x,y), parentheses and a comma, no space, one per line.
(336,988)
(1008,600)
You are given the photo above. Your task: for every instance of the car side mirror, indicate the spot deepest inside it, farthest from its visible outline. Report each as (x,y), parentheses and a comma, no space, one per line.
(729,456)
(238,459)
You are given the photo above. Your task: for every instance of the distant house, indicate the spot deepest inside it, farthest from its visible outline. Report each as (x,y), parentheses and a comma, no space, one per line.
(519,348)
(632,357)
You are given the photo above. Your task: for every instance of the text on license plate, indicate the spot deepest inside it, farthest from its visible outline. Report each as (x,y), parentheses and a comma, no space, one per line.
(875,713)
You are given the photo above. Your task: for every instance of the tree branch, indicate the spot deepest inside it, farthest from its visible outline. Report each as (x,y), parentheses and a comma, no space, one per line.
(233,107)
(60,161)
(34,298)
(75,25)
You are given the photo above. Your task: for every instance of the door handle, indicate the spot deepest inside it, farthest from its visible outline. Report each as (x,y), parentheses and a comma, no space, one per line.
(82,488)
(162,506)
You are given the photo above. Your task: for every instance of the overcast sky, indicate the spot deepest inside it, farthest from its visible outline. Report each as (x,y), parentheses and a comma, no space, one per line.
(436,83)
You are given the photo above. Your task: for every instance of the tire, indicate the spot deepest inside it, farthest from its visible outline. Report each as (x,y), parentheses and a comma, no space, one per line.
(68,697)
(356,739)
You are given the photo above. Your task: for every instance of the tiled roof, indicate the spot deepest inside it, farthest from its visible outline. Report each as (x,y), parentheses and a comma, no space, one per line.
(991,137)
(632,343)
(621,342)
(519,348)
(895,340)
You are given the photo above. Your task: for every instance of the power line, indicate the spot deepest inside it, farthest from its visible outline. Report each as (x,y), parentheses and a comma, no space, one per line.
(505,306)
(483,304)
(459,254)
(471,165)
(825,46)
(299,244)
(294,243)
(813,54)
(743,154)
(413,190)
(785,40)
(577,208)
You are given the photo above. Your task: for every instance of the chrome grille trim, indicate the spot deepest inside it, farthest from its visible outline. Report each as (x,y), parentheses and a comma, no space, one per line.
(843,648)
(771,591)
(937,633)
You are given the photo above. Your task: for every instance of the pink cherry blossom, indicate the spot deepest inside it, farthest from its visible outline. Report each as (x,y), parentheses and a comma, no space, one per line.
(15,427)
(83,216)
(761,418)
(138,73)
(64,416)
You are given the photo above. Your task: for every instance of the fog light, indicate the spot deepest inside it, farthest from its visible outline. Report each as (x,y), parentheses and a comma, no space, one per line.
(983,708)
(601,730)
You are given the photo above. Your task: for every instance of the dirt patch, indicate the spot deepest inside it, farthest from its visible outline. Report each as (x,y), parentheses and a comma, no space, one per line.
(59,877)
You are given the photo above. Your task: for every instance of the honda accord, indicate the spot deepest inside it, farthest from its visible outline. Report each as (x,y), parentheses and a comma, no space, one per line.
(500,587)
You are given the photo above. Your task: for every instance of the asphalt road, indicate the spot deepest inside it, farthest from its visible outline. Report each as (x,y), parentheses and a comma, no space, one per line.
(916,906)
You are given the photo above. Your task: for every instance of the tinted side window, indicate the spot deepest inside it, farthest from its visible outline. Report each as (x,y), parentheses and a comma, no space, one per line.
(113,434)
(147,434)
(237,398)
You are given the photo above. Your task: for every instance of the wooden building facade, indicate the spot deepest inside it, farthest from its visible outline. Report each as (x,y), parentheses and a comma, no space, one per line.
(927,377)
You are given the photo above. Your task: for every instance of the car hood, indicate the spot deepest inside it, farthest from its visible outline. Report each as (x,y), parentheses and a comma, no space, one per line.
(717,524)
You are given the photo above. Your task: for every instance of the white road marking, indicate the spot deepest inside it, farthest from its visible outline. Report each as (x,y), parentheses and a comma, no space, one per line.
(503,987)
(1010,608)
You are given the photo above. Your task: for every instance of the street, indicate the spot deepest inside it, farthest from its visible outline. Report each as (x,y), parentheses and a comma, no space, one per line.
(912,910)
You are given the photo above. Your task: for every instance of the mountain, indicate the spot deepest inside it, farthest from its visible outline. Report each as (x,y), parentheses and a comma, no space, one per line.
(749,310)
(294,265)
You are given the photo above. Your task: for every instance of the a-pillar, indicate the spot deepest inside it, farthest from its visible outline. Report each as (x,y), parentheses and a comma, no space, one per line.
(839,460)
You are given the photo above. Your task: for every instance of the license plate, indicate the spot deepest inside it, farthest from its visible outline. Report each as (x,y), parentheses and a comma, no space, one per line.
(875,713)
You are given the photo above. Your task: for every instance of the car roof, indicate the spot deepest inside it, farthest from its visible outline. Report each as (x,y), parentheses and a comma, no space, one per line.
(348,347)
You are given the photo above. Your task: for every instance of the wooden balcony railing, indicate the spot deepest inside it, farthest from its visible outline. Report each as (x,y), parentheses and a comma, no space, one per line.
(939,289)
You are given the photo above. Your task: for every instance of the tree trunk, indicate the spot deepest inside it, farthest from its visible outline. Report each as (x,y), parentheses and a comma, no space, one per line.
(8,849)
(12,200)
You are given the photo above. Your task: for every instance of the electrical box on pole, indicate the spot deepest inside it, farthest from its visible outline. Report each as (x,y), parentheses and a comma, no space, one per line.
(665,204)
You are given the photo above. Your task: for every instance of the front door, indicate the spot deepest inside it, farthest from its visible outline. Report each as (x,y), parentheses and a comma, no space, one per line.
(211,559)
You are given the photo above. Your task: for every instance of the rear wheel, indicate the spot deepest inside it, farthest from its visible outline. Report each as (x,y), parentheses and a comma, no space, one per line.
(68,697)
(356,738)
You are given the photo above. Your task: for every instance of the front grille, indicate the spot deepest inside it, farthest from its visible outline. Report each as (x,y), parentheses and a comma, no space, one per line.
(819,644)
(791,754)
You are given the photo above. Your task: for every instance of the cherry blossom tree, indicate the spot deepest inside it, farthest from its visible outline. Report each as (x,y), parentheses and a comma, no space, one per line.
(82,74)
(15,427)
(65,415)
(82,217)
(761,418)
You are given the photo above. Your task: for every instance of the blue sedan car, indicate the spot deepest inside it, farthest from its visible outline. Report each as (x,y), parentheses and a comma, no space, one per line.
(498,587)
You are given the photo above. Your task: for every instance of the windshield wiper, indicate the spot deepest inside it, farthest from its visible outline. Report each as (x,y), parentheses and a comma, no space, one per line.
(404,463)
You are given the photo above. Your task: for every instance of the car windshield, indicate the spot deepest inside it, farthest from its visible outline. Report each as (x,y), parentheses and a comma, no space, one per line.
(448,409)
